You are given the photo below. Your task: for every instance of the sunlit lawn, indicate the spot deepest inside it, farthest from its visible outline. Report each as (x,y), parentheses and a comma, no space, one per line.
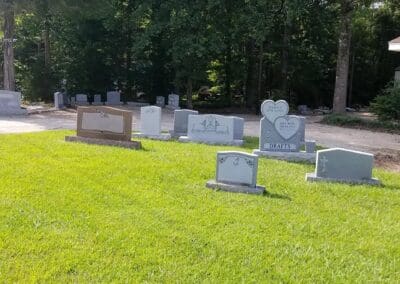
(83,213)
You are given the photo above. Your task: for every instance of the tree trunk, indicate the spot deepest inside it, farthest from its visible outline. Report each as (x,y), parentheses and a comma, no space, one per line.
(189,93)
(9,69)
(342,69)
(252,74)
(285,55)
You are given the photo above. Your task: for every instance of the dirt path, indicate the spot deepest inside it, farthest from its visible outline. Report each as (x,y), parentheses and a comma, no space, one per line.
(386,146)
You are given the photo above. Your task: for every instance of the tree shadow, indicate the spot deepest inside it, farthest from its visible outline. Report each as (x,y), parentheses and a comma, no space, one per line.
(277,196)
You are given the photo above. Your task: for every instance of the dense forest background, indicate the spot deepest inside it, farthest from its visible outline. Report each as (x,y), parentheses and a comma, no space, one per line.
(243,50)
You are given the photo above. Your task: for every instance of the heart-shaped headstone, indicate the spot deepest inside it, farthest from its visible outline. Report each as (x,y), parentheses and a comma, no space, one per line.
(272,110)
(287,126)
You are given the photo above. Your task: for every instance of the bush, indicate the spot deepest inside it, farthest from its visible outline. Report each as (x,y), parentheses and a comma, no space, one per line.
(387,105)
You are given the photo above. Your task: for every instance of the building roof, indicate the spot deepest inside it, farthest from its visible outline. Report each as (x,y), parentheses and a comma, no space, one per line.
(394,45)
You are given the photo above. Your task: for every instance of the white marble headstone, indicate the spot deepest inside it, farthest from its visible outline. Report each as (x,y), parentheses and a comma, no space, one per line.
(150,120)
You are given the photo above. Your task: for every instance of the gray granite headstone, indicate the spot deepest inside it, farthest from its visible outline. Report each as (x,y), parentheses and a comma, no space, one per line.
(113,98)
(81,99)
(238,129)
(160,101)
(284,135)
(236,172)
(343,165)
(173,102)
(97,100)
(181,119)
(10,103)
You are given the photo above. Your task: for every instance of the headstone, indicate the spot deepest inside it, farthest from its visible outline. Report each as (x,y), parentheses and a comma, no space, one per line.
(238,129)
(81,99)
(160,101)
(310,146)
(59,100)
(282,135)
(97,100)
(104,126)
(173,102)
(113,98)
(343,165)
(181,119)
(73,101)
(236,172)
(211,129)
(150,124)
(10,103)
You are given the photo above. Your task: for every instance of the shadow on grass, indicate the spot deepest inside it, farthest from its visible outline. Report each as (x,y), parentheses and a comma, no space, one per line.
(277,196)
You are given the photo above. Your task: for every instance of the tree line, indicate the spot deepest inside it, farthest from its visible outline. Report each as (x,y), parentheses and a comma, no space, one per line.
(214,53)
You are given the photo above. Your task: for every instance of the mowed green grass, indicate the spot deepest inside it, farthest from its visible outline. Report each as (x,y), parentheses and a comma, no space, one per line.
(82,213)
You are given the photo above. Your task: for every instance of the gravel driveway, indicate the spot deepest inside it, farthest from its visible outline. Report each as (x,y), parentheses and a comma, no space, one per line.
(325,135)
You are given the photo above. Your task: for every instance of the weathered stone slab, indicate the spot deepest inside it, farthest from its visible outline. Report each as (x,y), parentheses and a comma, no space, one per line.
(343,165)
(150,124)
(173,102)
(59,100)
(211,129)
(104,123)
(113,98)
(236,172)
(10,103)
(122,144)
(181,120)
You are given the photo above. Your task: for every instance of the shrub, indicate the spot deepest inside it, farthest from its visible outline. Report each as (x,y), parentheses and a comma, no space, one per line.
(387,105)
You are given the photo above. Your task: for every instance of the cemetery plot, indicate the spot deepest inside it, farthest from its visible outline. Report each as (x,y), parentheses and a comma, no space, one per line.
(104,126)
(342,165)
(236,172)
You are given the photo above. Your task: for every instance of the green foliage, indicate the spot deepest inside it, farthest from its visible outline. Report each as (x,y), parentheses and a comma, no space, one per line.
(235,47)
(387,105)
(146,216)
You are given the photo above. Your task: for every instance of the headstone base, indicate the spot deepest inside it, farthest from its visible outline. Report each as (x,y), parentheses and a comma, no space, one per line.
(212,184)
(136,104)
(288,156)
(123,144)
(172,107)
(311,177)
(176,134)
(186,139)
(162,137)
(13,111)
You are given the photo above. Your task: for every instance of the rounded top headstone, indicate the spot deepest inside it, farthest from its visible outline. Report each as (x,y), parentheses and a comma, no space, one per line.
(272,110)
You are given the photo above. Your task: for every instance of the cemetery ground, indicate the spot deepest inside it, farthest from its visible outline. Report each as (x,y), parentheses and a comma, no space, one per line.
(84,213)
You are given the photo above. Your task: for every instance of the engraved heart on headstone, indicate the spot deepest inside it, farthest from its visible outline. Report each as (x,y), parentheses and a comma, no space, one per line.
(272,110)
(287,126)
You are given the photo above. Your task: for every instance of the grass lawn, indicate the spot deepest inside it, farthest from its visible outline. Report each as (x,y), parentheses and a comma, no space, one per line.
(83,213)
